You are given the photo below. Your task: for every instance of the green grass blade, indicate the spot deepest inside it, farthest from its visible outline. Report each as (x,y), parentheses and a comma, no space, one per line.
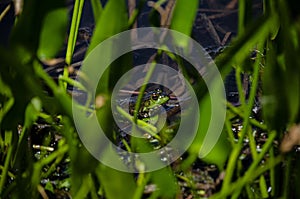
(116,14)
(53,33)
(77,12)
(183,18)
(97,9)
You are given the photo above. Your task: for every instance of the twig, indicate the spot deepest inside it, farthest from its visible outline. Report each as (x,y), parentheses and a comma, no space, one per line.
(5,11)
(225,38)
(166,14)
(211,29)
(231,4)
(217,10)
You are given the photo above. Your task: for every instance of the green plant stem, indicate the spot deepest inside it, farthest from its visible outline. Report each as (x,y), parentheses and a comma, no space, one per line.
(6,107)
(10,174)
(84,190)
(250,193)
(143,88)
(127,147)
(242,15)
(74,29)
(53,166)
(80,86)
(93,190)
(252,144)
(5,168)
(97,9)
(58,92)
(287,178)
(272,172)
(141,183)
(263,187)
(237,149)
(253,172)
(184,178)
(135,13)
(259,158)
(251,120)
(72,82)
(229,132)
(263,152)
(152,130)
(37,167)
(77,11)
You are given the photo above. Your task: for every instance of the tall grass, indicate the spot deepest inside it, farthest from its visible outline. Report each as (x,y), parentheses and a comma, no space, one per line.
(29,97)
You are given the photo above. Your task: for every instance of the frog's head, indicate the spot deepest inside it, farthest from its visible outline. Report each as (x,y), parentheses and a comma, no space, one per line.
(152,105)
(157,98)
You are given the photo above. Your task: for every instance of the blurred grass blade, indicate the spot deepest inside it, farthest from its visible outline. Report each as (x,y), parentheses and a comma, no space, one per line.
(245,17)
(219,153)
(29,25)
(7,161)
(183,18)
(97,9)
(6,100)
(275,113)
(53,33)
(115,20)
(116,184)
(166,184)
(116,13)
(282,96)
(13,71)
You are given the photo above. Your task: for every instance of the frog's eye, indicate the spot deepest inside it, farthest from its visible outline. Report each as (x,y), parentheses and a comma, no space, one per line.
(146,103)
(154,96)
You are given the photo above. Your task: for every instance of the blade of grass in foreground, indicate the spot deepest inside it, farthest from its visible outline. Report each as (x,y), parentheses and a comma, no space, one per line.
(97,9)
(77,12)
(115,13)
(183,17)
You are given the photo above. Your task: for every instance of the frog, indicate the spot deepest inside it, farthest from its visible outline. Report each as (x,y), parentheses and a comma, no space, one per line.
(149,110)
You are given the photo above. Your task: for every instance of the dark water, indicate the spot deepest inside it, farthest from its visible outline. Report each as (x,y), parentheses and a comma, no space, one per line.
(7,22)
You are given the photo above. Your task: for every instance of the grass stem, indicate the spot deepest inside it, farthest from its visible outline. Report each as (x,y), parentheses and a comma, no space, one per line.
(6,166)
(248,109)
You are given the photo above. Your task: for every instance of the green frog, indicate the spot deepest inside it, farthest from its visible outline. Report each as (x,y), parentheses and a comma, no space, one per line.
(150,108)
